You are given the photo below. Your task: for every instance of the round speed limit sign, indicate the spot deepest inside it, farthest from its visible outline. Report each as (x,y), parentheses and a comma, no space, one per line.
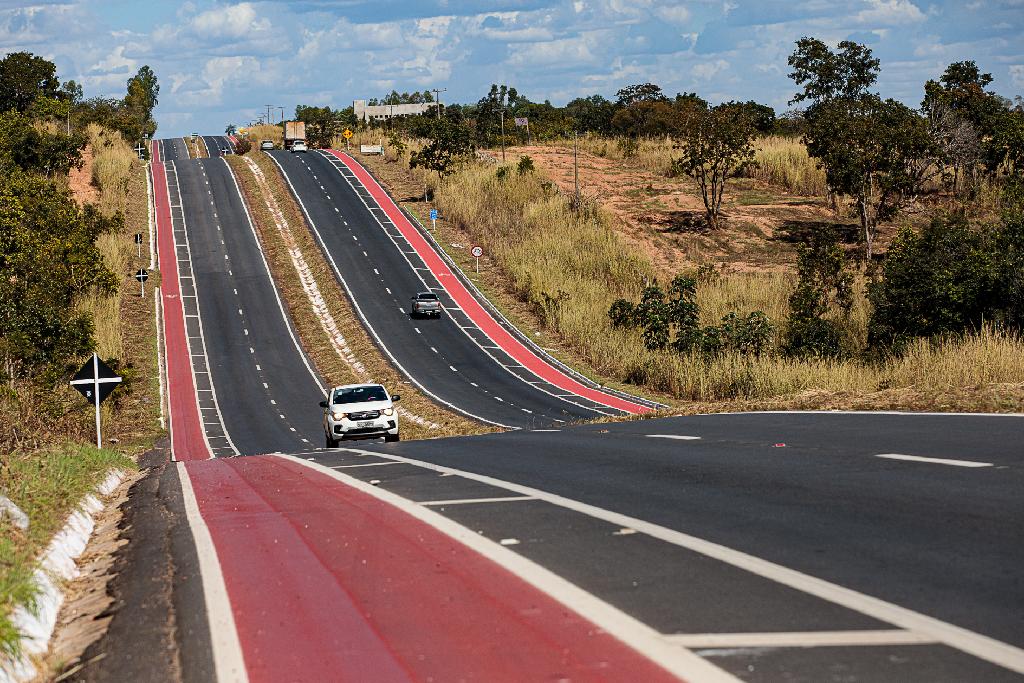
(477,251)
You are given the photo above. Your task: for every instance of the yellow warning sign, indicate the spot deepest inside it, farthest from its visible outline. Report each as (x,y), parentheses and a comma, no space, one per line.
(347,133)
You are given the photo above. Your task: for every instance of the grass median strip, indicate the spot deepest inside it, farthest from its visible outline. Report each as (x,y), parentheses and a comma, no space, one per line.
(327,326)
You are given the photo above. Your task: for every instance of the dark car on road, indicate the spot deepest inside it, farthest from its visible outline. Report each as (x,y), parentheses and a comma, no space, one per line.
(425,304)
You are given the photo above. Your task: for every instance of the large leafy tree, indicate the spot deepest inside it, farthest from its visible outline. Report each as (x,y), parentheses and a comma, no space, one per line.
(876,151)
(717,144)
(322,124)
(25,77)
(448,143)
(142,98)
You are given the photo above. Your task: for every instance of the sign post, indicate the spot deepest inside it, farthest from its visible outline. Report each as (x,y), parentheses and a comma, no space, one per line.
(433,218)
(142,275)
(348,136)
(138,242)
(477,252)
(95,380)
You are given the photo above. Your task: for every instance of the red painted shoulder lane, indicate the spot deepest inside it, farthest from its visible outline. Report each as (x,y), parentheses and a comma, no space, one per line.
(472,307)
(329,583)
(187,441)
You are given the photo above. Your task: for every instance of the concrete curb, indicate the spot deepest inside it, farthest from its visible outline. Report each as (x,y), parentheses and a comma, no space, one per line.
(56,565)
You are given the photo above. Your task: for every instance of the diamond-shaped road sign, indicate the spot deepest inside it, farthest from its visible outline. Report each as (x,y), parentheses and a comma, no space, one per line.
(95,379)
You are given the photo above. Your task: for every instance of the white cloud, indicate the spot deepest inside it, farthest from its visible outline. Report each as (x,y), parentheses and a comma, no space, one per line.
(890,12)
(708,70)
(1017,75)
(230,21)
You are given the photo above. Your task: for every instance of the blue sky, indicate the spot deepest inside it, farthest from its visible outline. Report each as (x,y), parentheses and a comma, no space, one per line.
(220,63)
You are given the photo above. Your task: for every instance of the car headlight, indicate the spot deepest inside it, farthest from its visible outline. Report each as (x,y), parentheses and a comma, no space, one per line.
(388,411)
(337,415)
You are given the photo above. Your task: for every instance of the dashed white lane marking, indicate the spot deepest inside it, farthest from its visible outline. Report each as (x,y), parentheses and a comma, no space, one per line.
(680,437)
(468,501)
(545,430)
(474,384)
(526,410)
(453,368)
(388,290)
(235,291)
(266,386)
(934,461)
(258,368)
(246,330)
(376,271)
(509,541)
(499,398)
(273,402)
(981,646)
(433,349)
(239,311)
(417,330)
(365,464)
(799,639)
(252,350)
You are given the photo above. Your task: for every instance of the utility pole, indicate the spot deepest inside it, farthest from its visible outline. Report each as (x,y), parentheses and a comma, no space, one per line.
(575,168)
(437,99)
(269,107)
(282,114)
(502,113)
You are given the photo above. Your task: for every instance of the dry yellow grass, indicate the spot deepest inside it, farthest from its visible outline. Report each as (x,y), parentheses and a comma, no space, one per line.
(258,133)
(569,266)
(112,162)
(784,162)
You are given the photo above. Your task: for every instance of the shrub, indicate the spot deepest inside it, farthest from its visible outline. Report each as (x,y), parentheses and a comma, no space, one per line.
(242,145)
(824,288)
(525,165)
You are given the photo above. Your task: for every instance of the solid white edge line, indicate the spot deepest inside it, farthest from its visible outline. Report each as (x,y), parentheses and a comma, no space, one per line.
(672,436)
(202,334)
(270,278)
(934,461)
(563,397)
(470,501)
(981,646)
(698,641)
(160,354)
(228,660)
(637,635)
(852,412)
(359,311)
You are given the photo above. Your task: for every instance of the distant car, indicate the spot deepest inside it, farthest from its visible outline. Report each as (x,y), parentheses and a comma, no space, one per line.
(299,146)
(266,144)
(360,411)
(425,304)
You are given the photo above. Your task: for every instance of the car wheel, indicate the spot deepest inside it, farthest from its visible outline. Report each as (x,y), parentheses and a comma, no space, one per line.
(388,438)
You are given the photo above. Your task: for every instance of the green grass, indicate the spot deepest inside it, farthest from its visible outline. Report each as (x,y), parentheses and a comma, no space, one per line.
(47,485)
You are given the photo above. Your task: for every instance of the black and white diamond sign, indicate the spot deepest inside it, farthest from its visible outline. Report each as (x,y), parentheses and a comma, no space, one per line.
(95,379)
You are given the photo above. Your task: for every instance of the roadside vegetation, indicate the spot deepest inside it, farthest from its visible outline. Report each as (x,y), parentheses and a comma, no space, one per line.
(73,194)
(902,290)
(328,327)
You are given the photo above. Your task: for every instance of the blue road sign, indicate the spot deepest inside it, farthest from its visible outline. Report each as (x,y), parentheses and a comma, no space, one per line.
(433,214)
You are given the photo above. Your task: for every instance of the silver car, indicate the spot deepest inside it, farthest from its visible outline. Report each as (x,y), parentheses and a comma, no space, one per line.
(425,304)
(360,411)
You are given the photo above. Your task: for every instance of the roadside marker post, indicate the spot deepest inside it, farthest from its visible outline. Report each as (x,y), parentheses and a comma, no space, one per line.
(142,275)
(433,219)
(95,380)
(477,252)
(138,242)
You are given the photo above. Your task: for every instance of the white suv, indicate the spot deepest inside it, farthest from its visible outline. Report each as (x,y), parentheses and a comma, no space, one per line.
(360,411)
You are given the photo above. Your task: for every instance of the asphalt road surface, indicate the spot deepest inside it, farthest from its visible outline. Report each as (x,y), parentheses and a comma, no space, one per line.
(217,145)
(765,547)
(173,149)
(382,275)
(264,389)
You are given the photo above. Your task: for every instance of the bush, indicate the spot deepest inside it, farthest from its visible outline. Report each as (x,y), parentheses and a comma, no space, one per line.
(823,293)
(944,280)
(525,165)
(242,145)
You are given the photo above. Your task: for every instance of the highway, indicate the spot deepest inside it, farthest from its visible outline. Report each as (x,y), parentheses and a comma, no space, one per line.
(217,145)
(754,547)
(172,149)
(264,391)
(450,358)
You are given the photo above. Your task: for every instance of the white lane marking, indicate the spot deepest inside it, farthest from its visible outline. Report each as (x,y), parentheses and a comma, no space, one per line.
(934,461)
(239,311)
(202,335)
(499,398)
(545,430)
(266,386)
(362,316)
(469,501)
(273,402)
(258,368)
(799,639)
(673,436)
(386,289)
(642,638)
(981,646)
(453,368)
(474,384)
(246,330)
(227,650)
(417,330)
(252,350)
(509,541)
(367,464)
(433,349)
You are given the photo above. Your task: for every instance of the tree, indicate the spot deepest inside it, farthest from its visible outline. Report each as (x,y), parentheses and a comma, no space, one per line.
(824,292)
(449,142)
(847,74)
(591,114)
(142,98)
(717,145)
(24,146)
(641,92)
(25,77)
(322,124)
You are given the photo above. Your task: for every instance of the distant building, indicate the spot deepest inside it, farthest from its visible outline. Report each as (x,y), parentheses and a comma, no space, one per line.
(381,112)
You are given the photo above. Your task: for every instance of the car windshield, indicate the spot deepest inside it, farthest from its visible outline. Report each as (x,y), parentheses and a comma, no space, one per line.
(374,392)
(426,296)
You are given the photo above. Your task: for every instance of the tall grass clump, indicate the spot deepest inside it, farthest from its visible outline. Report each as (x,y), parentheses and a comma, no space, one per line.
(265,132)
(112,162)
(784,162)
(569,265)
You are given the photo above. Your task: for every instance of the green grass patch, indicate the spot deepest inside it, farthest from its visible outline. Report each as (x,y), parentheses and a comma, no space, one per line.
(47,485)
